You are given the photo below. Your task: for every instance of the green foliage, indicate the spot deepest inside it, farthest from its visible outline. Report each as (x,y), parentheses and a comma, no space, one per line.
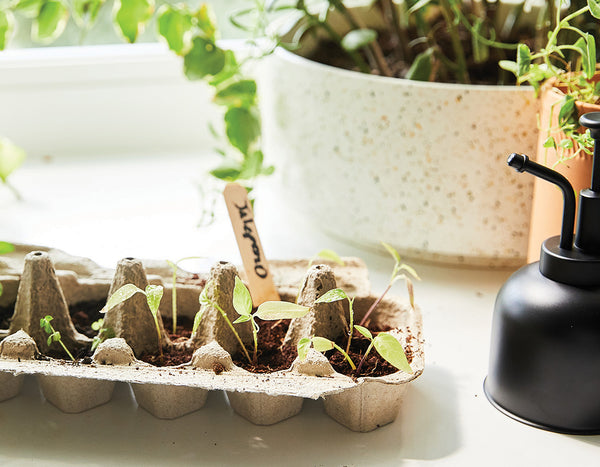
(54,335)
(153,294)
(7,27)
(571,65)
(85,12)
(103,333)
(6,247)
(328,255)
(271,310)
(204,58)
(50,21)
(388,347)
(358,38)
(321,344)
(130,17)
(175,26)
(333,296)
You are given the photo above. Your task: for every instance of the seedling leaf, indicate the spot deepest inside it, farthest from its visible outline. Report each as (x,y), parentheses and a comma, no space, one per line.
(358,38)
(50,21)
(303,347)
(330,255)
(422,66)
(6,247)
(594,8)
(523,59)
(392,251)
(203,298)
(130,17)
(364,331)
(124,293)
(154,294)
(322,344)
(391,350)
(174,25)
(197,320)
(242,301)
(7,26)
(204,58)
(332,295)
(242,319)
(272,311)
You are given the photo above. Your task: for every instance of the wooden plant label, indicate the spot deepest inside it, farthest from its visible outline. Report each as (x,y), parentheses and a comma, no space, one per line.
(260,281)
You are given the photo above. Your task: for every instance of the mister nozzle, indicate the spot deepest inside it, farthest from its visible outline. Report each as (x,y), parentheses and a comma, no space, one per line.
(522,163)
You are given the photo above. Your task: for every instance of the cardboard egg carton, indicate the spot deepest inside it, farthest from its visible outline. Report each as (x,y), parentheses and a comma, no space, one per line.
(39,281)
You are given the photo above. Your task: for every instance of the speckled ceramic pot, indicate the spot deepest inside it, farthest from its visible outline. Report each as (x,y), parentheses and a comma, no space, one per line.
(419,165)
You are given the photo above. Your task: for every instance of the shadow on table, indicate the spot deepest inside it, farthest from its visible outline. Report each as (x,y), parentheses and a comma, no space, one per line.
(120,432)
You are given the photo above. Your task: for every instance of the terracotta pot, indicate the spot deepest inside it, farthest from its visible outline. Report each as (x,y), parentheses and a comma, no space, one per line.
(547,205)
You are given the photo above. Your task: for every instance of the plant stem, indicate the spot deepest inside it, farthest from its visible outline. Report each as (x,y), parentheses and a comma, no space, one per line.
(14,191)
(351,330)
(363,359)
(237,336)
(158,335)
(66,350)
(255,337)
(375,303)
(461,74)
(174,299)
(346,356)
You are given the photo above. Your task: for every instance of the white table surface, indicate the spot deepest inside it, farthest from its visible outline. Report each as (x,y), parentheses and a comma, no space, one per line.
(114,207)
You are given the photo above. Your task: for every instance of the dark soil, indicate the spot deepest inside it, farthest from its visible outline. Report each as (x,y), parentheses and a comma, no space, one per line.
(5,316)
(273,357)
(270,356)
(374,365)
(84,314)
(172,356)
(184,328)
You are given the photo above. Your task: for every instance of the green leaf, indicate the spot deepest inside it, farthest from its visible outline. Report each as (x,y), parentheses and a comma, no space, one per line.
(331,256)
(124,293)
(391,350)
(590,60)
(242,301)
(154,294)
(419,5)
(85,12)
(197,321)
(242,319)
(568,111)
(97,325)
(206,21)
(509,65)
(321,344)
(130,17)
(29,8)
(303,346)
(566,144)
(332,295)
(230,69)
(272,311)
(50,21)
(11,157)
(1,289)
(226,172)
(6,247)
(49,340)
(410,270)
(203,298)
(358,38)
(45,324)
(7,27)
(55,336)
(239,94)
(422,66)
(550,143)
(175,26)
(252,165)
(242,127)
(364,331)
(203,59)
(392,251)
(523,59)
(594,8)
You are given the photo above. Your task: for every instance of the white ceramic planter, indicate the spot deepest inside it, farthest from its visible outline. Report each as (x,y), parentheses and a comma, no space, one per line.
(421,166)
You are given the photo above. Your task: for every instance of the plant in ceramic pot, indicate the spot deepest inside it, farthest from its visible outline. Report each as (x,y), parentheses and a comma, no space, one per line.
(563,71)
(348,141)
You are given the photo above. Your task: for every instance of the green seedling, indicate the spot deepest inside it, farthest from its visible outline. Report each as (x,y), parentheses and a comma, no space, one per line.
(268,311)
(333,296)
(326,254)
(103,333)
(174,266)
(54,335)
(397,274)
(387,346)
(206,301)
(321,344)
(11,157)
(153,295)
